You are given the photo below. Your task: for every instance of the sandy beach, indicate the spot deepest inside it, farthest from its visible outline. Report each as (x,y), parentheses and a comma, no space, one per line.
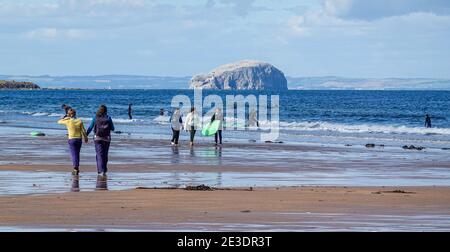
(260,187)
(260,209)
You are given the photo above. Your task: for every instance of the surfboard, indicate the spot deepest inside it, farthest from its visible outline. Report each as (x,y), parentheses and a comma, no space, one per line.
(211,128)
(36,133)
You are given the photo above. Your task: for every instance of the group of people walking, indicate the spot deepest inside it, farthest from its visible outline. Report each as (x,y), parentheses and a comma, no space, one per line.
(191,124)
(101,125)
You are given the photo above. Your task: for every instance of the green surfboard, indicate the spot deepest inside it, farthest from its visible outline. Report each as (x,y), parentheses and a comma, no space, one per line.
(211,128)
(36,133)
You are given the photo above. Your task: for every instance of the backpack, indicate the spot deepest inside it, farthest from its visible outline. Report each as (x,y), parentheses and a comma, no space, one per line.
(102,126)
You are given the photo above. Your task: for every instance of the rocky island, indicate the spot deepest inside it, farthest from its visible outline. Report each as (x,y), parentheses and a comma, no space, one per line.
(242,75)
(7,84)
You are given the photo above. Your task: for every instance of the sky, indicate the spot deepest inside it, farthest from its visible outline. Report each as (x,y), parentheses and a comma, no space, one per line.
(351,38)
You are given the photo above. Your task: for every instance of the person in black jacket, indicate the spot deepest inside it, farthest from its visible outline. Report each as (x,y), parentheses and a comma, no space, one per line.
(427,121)
(66,109)
(218,116)
(130,111)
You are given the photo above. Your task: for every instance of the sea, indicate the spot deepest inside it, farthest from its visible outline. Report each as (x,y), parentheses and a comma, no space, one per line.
(390,118)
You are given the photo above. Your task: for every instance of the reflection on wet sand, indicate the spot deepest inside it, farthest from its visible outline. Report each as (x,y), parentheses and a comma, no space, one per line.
(75,184)
(102,183)
(175,155)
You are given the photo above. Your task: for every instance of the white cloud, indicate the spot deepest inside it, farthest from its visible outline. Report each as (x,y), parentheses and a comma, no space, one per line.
(297,26)
(317,37)
(55,33)
(376,9)
(42,33)
(334,17)
(336,7)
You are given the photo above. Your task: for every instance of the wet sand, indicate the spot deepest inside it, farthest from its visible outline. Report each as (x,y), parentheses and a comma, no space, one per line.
(36,185)
(262,209)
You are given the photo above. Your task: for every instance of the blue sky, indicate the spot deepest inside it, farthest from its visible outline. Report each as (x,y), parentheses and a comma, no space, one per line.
(352,38)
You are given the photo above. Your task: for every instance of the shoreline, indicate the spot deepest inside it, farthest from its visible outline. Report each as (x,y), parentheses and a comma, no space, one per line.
(262,209)
(295,188)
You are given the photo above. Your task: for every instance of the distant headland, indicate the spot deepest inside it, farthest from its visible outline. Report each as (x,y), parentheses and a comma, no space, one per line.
(11,84)
(71,82)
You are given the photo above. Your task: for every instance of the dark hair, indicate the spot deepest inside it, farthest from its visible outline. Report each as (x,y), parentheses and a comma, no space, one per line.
(72,112)
(102,111)
(63,106)
(192,109)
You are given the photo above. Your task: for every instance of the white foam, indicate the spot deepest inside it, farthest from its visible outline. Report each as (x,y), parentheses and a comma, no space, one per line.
(85,118)
(55,115)
(40,114)
(120,120)
(357,128)
(162,119)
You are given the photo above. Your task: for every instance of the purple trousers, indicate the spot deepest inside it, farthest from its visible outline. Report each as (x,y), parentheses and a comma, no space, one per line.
(102,149)
(75,148)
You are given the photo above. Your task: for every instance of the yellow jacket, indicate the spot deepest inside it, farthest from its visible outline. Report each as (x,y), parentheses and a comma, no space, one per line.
(75,128)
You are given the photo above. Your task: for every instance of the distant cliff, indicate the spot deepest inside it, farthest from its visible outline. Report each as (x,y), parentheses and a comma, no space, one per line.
(243,75)
(6,84)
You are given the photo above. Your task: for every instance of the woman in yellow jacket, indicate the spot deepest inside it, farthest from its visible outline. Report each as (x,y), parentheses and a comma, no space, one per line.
(76,132)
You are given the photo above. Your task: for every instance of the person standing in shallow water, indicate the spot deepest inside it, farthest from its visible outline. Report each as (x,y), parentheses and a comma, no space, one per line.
(76,132)
(427,121)
(191,124)
(176,122)
(130,111)
(218,116)
(66,109)
(253,119)
(102,125)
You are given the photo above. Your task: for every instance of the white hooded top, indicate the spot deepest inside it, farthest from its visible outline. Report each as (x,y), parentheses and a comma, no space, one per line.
(192,119)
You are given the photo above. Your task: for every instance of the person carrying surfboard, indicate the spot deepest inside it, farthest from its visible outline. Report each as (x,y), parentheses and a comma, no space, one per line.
(76,132)
(176,122)
(191,124)
(218,116)
(102,125)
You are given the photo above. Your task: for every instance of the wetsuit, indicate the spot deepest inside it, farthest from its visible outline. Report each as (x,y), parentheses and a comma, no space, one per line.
(428,122)
(129,112)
